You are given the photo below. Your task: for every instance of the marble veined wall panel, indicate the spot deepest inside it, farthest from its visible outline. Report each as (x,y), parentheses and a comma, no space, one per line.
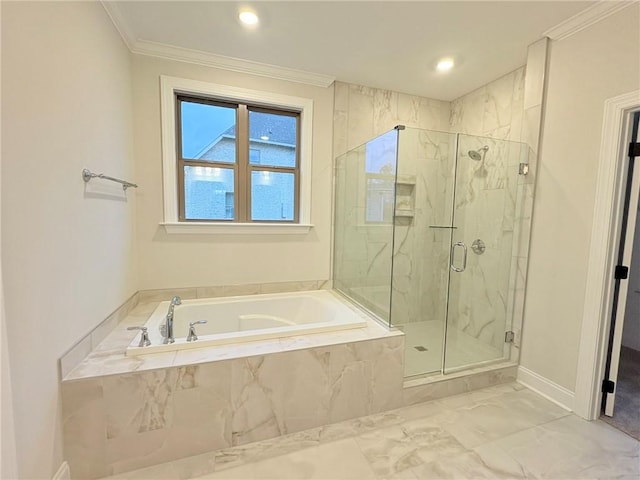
(419,285)
(118,423)
(363,252)
(362,113)
(495,110)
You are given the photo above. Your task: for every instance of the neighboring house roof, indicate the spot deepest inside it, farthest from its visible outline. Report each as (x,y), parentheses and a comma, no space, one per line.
(276,127)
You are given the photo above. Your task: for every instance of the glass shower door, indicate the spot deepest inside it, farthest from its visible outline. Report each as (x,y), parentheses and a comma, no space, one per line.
(481,255)
(422,237)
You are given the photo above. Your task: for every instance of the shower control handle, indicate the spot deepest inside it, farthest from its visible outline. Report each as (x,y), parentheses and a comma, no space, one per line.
(464,257)
(478,246)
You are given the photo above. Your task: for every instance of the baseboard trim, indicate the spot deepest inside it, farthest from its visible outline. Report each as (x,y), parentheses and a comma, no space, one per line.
(545,387)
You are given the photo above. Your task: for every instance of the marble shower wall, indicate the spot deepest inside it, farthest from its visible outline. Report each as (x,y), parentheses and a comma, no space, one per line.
(363,252)
(421,248)
(507,109)
(485,210)
(117,423)
(362,113)
(488,206)
(494,110)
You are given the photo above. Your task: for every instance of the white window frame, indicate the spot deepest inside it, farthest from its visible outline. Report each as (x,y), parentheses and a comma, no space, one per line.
(169,87)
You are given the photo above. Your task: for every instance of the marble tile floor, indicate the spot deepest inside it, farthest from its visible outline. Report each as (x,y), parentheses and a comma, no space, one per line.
(462,349)
(505,431)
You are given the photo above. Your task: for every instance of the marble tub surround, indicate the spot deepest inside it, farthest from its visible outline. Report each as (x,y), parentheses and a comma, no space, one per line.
(76,354)
(504,431)
(122,413)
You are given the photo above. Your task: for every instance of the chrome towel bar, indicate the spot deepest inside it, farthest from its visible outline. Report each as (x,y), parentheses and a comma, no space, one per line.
(88,175)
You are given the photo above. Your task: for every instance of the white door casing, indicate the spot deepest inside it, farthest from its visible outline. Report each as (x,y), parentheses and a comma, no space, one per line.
(623,289)
(608,212)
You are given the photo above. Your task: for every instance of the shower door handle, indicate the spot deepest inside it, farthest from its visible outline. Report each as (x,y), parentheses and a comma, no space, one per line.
(464,257)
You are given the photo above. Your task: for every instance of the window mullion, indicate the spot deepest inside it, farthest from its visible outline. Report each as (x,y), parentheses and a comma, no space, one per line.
(243,201)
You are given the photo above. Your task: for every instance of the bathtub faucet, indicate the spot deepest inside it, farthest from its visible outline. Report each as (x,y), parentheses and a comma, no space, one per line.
(168,324)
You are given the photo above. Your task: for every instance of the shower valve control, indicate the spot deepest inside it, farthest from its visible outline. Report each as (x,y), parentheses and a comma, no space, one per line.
(478,247)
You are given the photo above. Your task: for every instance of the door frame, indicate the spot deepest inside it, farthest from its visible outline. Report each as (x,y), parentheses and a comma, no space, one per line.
(603,252)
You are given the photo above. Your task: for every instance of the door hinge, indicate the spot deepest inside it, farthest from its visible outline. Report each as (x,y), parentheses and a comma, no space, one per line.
(621,272)
(634,150)
(509,337)
(608,386)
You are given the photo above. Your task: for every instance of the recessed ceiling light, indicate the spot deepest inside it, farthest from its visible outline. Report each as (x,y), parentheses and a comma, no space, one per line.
(248,17)
(445,65)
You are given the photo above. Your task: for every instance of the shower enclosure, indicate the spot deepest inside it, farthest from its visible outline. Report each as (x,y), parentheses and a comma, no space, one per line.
(425,228)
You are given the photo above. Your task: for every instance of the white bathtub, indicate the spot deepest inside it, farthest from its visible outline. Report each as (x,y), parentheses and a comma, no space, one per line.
(249,318)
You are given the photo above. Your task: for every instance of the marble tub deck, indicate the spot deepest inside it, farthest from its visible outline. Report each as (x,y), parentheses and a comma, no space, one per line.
(505,431)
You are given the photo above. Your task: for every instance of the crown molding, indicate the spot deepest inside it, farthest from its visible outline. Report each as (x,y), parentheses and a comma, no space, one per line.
(119,22)
(586,18)
(153,49)
(170,52)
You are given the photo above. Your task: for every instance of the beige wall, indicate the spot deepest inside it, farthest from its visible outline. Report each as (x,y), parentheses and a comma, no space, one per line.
(179,260)
(68,255)
(585,69)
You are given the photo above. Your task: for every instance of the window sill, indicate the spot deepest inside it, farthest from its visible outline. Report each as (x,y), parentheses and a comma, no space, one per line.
(236,228)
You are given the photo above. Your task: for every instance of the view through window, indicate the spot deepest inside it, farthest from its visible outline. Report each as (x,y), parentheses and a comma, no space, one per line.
(236,162)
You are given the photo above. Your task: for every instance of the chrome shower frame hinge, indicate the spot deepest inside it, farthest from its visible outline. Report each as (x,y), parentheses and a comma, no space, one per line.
(523,169)
(509,337)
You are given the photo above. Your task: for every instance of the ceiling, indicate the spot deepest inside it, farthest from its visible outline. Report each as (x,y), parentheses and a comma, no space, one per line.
(392,45)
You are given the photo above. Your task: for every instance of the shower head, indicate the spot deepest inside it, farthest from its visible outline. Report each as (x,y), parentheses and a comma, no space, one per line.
(478,155)
(474,155)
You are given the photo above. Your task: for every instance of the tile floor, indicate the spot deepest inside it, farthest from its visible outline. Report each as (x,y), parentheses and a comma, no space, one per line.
(506,431)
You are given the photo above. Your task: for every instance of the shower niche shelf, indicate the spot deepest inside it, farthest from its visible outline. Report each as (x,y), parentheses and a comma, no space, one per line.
(405,196)
(406,180)
(405,213)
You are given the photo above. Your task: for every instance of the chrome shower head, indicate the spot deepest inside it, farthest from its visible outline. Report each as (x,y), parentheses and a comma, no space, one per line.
(478,155)
(474,155)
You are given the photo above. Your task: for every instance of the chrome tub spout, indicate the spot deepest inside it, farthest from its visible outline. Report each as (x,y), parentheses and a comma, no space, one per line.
(168,324)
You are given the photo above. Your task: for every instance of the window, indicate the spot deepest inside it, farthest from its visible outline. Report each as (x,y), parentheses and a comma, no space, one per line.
(380,177)
(234,160)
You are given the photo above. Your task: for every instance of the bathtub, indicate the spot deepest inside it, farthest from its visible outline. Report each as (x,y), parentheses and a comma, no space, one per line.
(249,318)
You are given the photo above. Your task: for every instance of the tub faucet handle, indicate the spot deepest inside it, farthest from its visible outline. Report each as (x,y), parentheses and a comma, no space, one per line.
(192,337)
(144,336)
